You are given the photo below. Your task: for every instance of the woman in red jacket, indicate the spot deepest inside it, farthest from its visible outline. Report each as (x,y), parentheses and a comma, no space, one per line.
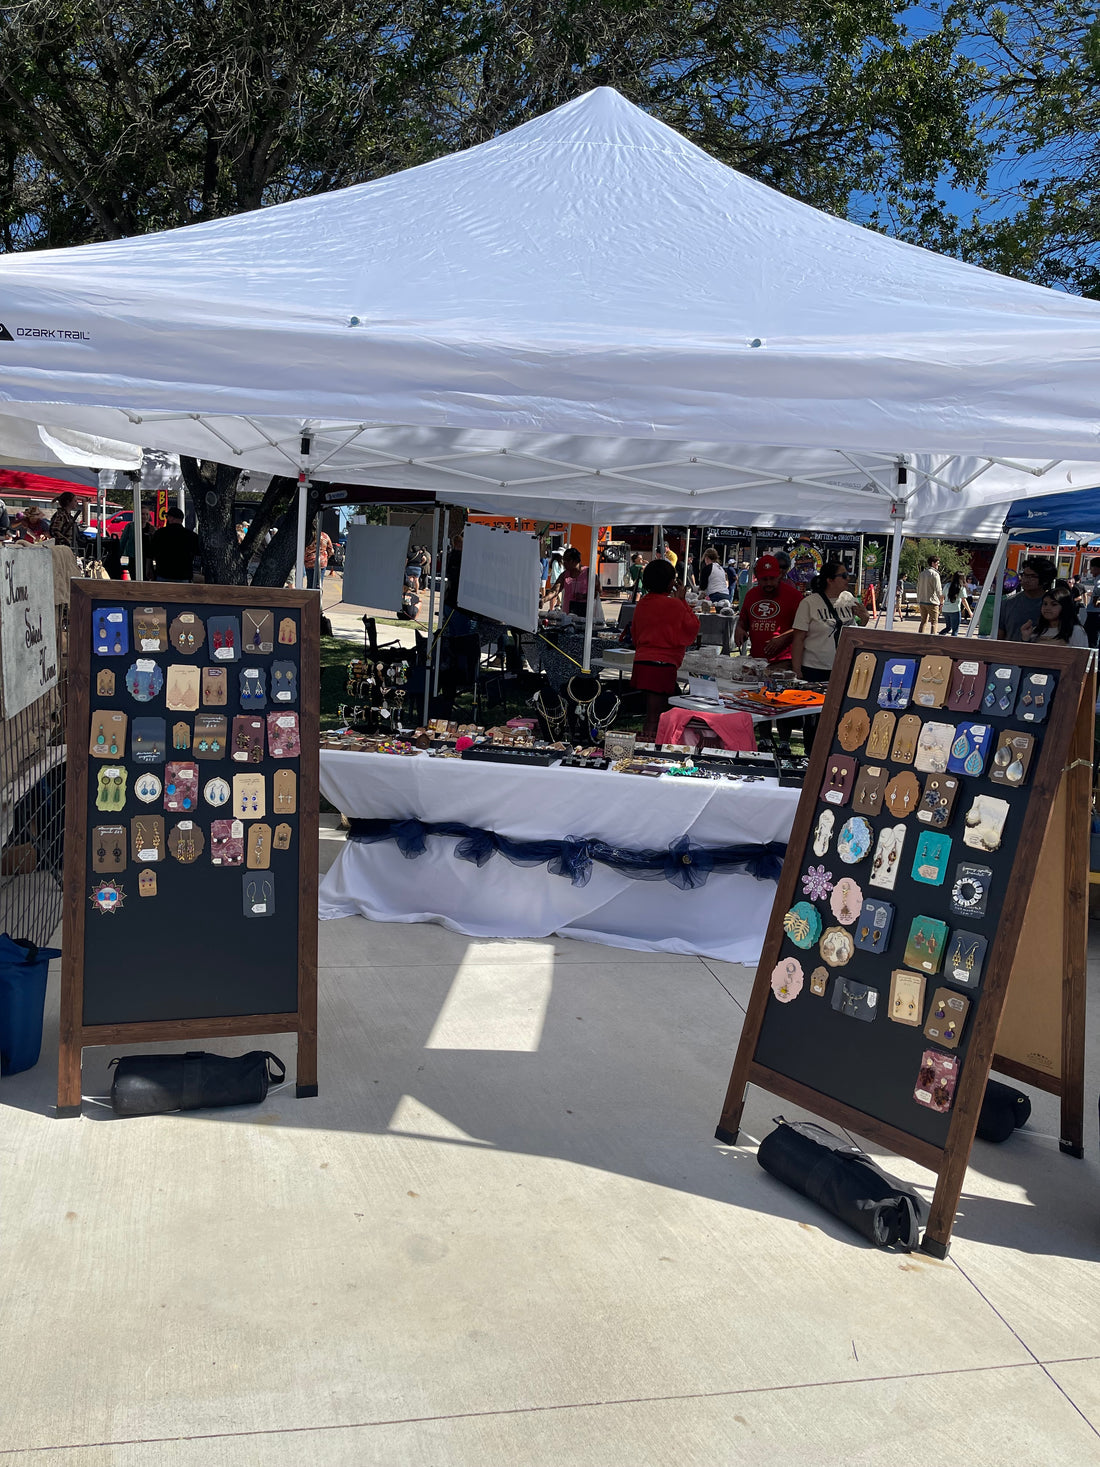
(662,630)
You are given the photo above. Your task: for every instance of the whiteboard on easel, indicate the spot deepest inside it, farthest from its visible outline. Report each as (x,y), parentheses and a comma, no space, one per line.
(374,566)
(501,576)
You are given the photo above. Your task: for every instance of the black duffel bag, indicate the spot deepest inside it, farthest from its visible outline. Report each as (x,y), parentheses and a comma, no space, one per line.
(839,1177)
(149,1084)
(1004,1108)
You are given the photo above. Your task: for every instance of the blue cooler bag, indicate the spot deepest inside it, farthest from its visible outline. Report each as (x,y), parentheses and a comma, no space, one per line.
(23,972)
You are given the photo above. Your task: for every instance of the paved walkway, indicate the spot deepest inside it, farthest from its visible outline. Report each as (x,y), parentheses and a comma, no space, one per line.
(503,1235)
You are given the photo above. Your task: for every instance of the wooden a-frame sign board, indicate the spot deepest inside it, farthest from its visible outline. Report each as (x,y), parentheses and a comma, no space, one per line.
(1027,1020)
(190,953)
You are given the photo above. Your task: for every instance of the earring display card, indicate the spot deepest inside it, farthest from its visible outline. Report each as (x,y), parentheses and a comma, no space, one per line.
(933,680)
(924,948)
(839,778)
(284,683)
(258,894)
(882,734)
(225,638)
(902,795)
(869,789)
(934,748)
(946,1017)
(966,954)
(936,1081)
(248,796)
(182,688)
(108,734)
(907,997)
(985,823)
(144,680)
(208,741)
(876,921)
(109,848)
(187,633)
(259,846)
(110,634)
(970,748)
(185,810)
(896,687)
(284,791)
(227,843)
(967,684)
(1001,685)
(887,858)
(284,741)
(147,836)
(215,687)
(150,628)
(938,800)
(930,858)
(904,748)
(253,687)
(248,739)
(1012,758)
(863,672)
(259,632)
(854,730)
(1036,691)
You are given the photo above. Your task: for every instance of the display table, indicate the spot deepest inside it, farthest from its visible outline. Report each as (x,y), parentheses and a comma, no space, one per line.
(725,918)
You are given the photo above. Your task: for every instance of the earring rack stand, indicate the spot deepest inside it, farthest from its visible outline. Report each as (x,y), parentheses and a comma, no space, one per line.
(186,963)
(1027,1020)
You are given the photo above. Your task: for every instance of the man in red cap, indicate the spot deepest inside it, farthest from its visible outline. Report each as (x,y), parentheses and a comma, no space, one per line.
(767,613)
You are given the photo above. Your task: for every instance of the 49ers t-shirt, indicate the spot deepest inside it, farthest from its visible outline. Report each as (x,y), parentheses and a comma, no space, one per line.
(765,614)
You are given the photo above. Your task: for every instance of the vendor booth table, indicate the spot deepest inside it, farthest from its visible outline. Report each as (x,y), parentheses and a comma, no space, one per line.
(724,918)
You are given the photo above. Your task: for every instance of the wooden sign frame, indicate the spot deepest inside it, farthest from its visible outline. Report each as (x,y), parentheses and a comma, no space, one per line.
(1013,990)
(182,925)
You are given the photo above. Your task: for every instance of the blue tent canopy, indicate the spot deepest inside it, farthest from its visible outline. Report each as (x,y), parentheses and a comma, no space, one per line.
(1047,515)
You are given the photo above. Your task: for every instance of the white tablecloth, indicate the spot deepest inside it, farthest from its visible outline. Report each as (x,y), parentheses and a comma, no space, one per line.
(726,918)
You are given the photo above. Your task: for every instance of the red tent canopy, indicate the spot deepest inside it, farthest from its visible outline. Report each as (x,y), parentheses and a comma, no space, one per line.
(16,481)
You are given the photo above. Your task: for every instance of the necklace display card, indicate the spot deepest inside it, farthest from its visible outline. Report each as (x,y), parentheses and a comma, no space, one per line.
(259,632)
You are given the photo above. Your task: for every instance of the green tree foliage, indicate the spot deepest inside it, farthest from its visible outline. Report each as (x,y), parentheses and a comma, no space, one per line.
(915,553)
(1038,109)
(116,119)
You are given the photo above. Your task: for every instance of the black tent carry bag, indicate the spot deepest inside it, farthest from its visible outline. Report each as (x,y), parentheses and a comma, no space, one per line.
(150,1084)
(1004,1108)
(839,1177)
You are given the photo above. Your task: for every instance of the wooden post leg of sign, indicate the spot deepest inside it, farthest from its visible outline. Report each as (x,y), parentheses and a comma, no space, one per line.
(1041,1041)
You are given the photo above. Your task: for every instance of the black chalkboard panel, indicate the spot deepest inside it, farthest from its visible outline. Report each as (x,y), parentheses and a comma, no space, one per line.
(179,945)
(189,951)
(873,1066)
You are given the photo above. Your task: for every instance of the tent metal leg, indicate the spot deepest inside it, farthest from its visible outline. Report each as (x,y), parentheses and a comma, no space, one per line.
(431,617)
(895,566)
(437,649)
(993,577)
(590,603)
(139,546)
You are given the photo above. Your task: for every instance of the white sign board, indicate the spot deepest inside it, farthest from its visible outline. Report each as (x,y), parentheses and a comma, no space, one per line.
(28,635)
(501,576)
(374,566)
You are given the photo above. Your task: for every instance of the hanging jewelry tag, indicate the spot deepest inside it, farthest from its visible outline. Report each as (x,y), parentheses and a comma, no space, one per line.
(147,883)
(259,846)
(282,837)
(258,893)
(105,683)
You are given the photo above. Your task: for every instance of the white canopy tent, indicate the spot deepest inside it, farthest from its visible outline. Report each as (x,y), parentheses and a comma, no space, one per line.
(588,316)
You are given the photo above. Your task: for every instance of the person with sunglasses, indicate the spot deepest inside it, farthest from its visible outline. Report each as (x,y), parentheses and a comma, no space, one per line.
(821,617)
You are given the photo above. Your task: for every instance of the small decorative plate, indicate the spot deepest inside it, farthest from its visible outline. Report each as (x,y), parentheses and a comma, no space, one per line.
(855,840)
